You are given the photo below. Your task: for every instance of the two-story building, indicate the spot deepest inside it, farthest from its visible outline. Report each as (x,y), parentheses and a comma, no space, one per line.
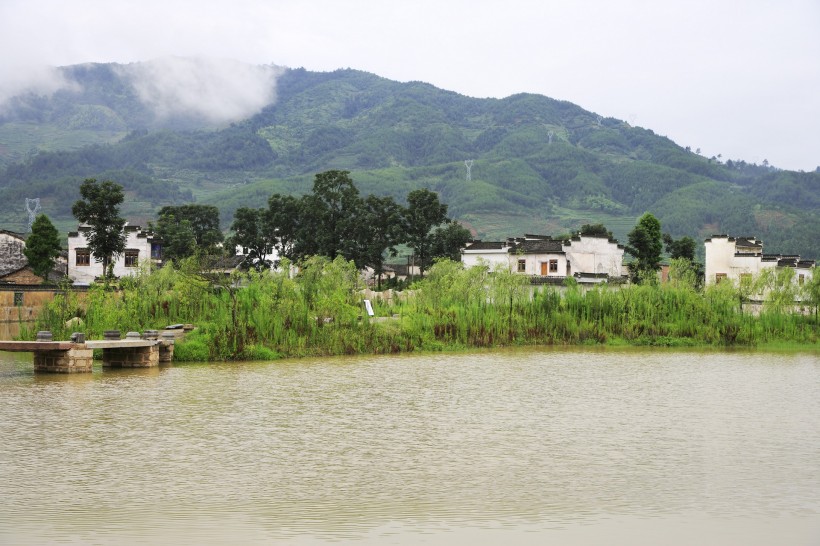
(141,246)
(591,258)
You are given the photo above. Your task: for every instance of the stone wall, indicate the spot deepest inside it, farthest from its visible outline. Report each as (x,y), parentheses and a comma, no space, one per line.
(78,360)
(11,252)
(131,357)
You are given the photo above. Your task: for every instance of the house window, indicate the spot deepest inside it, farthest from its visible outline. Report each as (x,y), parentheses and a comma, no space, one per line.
(801,278)
(18,299)
(156,251)
(719,277)
(553,266)
(131,258)
(83,256)
(522,266)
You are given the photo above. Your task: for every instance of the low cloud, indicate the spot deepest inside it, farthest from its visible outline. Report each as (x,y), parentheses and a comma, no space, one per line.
(18,80)
(218,90)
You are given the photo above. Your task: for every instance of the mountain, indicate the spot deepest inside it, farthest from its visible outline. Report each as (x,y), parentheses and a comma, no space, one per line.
(537,164)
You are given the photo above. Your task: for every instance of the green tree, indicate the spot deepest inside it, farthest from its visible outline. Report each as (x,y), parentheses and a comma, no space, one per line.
(42,246)
(423,213)
(449,240)
(811,293)
(331,218)
(99,208)
(249,233)
(681,248)
(186,229)
(595,230)
(382,231)
(178,239)
(282,223)
(645,245)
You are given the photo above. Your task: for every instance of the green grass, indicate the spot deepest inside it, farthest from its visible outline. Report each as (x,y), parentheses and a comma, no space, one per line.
(319,312)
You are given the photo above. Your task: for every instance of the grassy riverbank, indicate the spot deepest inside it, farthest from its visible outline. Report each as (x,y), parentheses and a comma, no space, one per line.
(320,312)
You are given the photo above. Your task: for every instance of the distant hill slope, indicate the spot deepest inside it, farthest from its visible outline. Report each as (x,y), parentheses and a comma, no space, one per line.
(538,164)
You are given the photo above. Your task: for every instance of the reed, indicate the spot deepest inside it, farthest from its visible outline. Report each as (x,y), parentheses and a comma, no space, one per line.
(319,312)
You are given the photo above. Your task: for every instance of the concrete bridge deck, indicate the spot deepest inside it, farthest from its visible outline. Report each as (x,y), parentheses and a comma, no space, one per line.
(31,346)
(71,357)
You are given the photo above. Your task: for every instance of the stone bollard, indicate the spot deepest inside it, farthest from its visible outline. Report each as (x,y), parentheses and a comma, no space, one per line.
(44,335)
(133,335)
(111,334)
(78,337)
(150,334)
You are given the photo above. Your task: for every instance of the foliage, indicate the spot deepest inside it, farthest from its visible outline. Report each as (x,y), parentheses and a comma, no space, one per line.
(423,213)
(270,314)
(335,212)
(178,239)
(594,230)
(99,208)
(42,246)
(645,246)
(188,229)
(535,157)
(449,240)
(249,234)
(680,248)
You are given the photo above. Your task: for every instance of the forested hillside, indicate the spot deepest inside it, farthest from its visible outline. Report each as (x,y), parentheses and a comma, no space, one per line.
(538,165)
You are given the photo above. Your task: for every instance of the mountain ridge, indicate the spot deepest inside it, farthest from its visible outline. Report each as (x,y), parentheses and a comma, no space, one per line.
(538,163)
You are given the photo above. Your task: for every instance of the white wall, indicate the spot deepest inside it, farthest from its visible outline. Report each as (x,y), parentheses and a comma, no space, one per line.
(595,255)
(720,259)
(87,273)
(489,257)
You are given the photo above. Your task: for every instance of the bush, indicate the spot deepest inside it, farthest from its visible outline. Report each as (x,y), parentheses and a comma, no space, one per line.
(193,350)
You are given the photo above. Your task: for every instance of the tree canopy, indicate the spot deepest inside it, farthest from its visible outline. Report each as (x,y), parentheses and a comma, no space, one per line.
(645,245)
(42,246)
(335,220)
(99,208)
(187,229)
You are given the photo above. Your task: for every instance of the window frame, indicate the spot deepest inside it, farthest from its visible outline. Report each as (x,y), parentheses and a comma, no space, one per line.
(85,253)
(131,257)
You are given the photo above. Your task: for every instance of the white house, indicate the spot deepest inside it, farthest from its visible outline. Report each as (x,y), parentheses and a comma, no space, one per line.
(593,254)
(141,246)
(585,257)
(731,258)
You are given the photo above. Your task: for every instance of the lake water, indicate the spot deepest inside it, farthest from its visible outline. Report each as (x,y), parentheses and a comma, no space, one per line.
(541,446)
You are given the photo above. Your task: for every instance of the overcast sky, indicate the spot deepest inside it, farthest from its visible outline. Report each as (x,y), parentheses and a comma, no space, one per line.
(739,78)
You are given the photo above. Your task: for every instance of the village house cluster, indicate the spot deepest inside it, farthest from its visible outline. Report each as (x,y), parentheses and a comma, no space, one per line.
(588,259)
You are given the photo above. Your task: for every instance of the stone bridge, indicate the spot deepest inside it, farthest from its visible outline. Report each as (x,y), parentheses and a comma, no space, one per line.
(78,356)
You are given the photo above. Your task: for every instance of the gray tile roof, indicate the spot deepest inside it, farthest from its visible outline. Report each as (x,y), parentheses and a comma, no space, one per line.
(485,245)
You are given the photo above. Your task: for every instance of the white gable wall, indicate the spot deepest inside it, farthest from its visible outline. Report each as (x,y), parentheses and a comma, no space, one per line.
(594,255)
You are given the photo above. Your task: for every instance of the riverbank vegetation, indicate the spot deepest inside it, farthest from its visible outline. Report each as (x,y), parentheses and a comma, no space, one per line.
(319,311)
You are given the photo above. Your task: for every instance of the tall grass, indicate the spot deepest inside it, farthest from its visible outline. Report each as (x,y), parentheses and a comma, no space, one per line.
(319,312)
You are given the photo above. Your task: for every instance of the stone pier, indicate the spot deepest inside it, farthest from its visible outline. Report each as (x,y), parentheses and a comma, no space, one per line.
(77,359)
(131,357)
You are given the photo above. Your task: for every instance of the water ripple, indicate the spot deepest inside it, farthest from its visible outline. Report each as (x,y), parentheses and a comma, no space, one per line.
(366,448)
